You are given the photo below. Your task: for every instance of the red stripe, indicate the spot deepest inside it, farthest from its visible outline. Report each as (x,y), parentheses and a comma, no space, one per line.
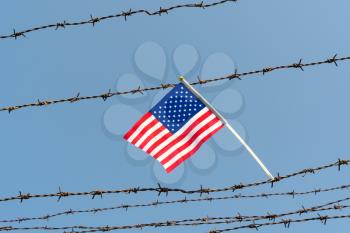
(194,150)
(152,135)
(160,141)
(144,130)
(184,134)
(138,123)
(190,141)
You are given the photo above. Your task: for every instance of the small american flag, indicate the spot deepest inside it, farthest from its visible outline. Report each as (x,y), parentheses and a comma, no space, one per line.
(175,128)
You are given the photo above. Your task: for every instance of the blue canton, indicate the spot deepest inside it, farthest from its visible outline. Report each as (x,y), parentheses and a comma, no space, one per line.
(177,108)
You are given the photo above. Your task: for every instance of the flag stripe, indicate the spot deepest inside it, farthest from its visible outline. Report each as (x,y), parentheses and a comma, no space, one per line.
(194,150)
(154,125)
(138,123)
(150,139)
(169,142)
(181,140)
(189,139)
(159,141)
(144,129)
(136,132)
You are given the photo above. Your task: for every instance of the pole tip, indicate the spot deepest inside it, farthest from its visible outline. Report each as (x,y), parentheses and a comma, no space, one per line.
(181,78)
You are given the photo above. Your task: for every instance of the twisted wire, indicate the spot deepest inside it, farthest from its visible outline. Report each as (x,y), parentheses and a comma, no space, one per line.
(124,14)
(202,221)
(299,65)
(224,220)
(165,190)
(179,201)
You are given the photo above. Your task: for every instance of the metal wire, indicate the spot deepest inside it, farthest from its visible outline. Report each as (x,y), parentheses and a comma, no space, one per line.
(299,65)
(201,221)
(164,190)
(225,220)
(124,14)
(180,201)
(286,222)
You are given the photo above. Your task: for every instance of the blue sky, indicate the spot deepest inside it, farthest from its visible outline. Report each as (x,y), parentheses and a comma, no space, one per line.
(293,119)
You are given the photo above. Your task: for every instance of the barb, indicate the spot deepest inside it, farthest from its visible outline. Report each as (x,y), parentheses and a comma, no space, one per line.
(124,14)
(196,221)
(235,75)
(164,190)
(179,201)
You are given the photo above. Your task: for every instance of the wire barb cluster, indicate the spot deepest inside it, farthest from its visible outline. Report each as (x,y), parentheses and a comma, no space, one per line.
(299,65)
(179,201)
(165,190)
(124,14)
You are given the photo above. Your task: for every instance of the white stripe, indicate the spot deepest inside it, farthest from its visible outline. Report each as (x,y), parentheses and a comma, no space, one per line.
(188,136)
(155,139)
(193,145)
(148,132)
(138,130)
(174,136)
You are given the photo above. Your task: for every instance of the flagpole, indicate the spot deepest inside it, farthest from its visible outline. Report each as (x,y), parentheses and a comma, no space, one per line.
(229,127)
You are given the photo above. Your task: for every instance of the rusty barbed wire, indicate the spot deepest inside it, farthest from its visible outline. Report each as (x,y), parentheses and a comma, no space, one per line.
(165,190)
(124,14)
(195,221)
(179,201)
(286,222)
(299,65)
(224,220)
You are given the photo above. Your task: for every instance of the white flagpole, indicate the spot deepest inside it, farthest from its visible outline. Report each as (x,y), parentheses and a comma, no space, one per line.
(229,127)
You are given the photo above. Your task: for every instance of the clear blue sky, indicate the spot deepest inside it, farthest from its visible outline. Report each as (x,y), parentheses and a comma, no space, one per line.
(294,119)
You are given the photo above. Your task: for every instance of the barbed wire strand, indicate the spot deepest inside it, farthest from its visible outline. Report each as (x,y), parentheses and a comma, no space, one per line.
(286,222)
(192,222)
(223,220)
(165,190)
(124,14)
(299,65)
(181,201)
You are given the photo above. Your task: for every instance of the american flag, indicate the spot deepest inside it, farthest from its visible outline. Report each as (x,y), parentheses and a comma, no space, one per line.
(175,128)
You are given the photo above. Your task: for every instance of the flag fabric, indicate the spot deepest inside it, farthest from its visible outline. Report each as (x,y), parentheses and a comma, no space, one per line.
(175,128)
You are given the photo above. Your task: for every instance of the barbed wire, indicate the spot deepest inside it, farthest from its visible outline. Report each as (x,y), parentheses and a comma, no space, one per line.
(196,221)
(181,201)
(223,220)
(165,190)
(124,14)
(299,65)
(285,222)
